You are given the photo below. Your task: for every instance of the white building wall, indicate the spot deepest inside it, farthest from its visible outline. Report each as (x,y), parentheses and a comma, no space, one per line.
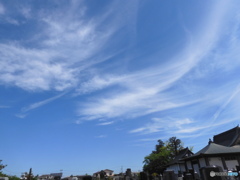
(4,178)
(196,168)
(202,162)
(174,167)
(182,167)
(215,161)
(231,164)
(189,166)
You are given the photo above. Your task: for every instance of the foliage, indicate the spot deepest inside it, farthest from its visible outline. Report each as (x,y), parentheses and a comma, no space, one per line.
(102,174)
(2,166)
(162,155)
(154,174)
(29,176)
(14,178)
(174,146)
(143,176)
(87,177)
(4,175)
(191,148)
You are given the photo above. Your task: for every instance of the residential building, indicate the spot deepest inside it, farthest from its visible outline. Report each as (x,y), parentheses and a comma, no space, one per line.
(107,173)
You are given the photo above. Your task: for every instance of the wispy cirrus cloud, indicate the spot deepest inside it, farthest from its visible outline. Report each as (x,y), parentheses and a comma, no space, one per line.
(144,92)
(2,9)
(101,136)
(158,124)
(105,123)
(36,105)
(225,104)
(181,128)
(2,106)
(61,50)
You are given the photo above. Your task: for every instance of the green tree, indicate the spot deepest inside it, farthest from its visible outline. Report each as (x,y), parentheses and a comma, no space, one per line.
(174,145)
(162,155)
(2,167)
(14,178)
(102,174)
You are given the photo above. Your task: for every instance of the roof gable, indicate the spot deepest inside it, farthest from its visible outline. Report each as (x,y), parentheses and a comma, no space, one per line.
(228,138)
(215,149)
(182,154)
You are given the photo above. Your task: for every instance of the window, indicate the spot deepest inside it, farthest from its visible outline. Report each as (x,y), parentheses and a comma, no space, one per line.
(230,158)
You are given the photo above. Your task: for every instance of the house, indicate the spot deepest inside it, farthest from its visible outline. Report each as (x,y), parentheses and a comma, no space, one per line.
(44,177)
(227,158)
(127,175)
(52,176)
(107,172)
(177,164)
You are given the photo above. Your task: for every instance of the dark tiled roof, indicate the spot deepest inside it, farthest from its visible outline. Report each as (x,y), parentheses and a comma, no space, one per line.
(182,154)
(216,149)
(108,170)
(103,170)
(228,138)
(44,176)
(56,174)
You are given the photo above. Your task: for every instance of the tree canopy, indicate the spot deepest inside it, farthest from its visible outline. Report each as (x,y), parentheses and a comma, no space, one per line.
(162,155)
(2,166)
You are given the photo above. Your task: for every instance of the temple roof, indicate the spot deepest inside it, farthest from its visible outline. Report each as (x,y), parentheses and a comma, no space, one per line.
(215,149)
(228,138)
(182,154)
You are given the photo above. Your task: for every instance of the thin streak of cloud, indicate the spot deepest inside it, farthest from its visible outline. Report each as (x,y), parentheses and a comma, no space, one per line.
(101,136)
(105,123)
(184,129)
(158,124)
(3,107)
(218,112)
(41,103)
(2,9)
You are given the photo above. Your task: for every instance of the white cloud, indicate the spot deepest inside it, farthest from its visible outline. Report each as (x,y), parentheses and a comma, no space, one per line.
(182,128)
(2,106)
(24,110)
(158,124)
(101,136)
(106,123)
(143,92)
(2,9)
(62,50)
(233,95)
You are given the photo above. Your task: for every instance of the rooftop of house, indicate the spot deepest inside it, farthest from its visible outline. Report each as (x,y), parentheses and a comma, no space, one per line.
(105,170)
(44,175)
(108,170)
(228,138)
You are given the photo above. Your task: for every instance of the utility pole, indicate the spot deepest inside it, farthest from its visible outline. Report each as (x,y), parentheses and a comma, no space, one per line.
(29,177)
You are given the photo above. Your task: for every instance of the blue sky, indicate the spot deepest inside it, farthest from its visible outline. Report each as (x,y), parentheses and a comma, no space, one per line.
(90,85)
